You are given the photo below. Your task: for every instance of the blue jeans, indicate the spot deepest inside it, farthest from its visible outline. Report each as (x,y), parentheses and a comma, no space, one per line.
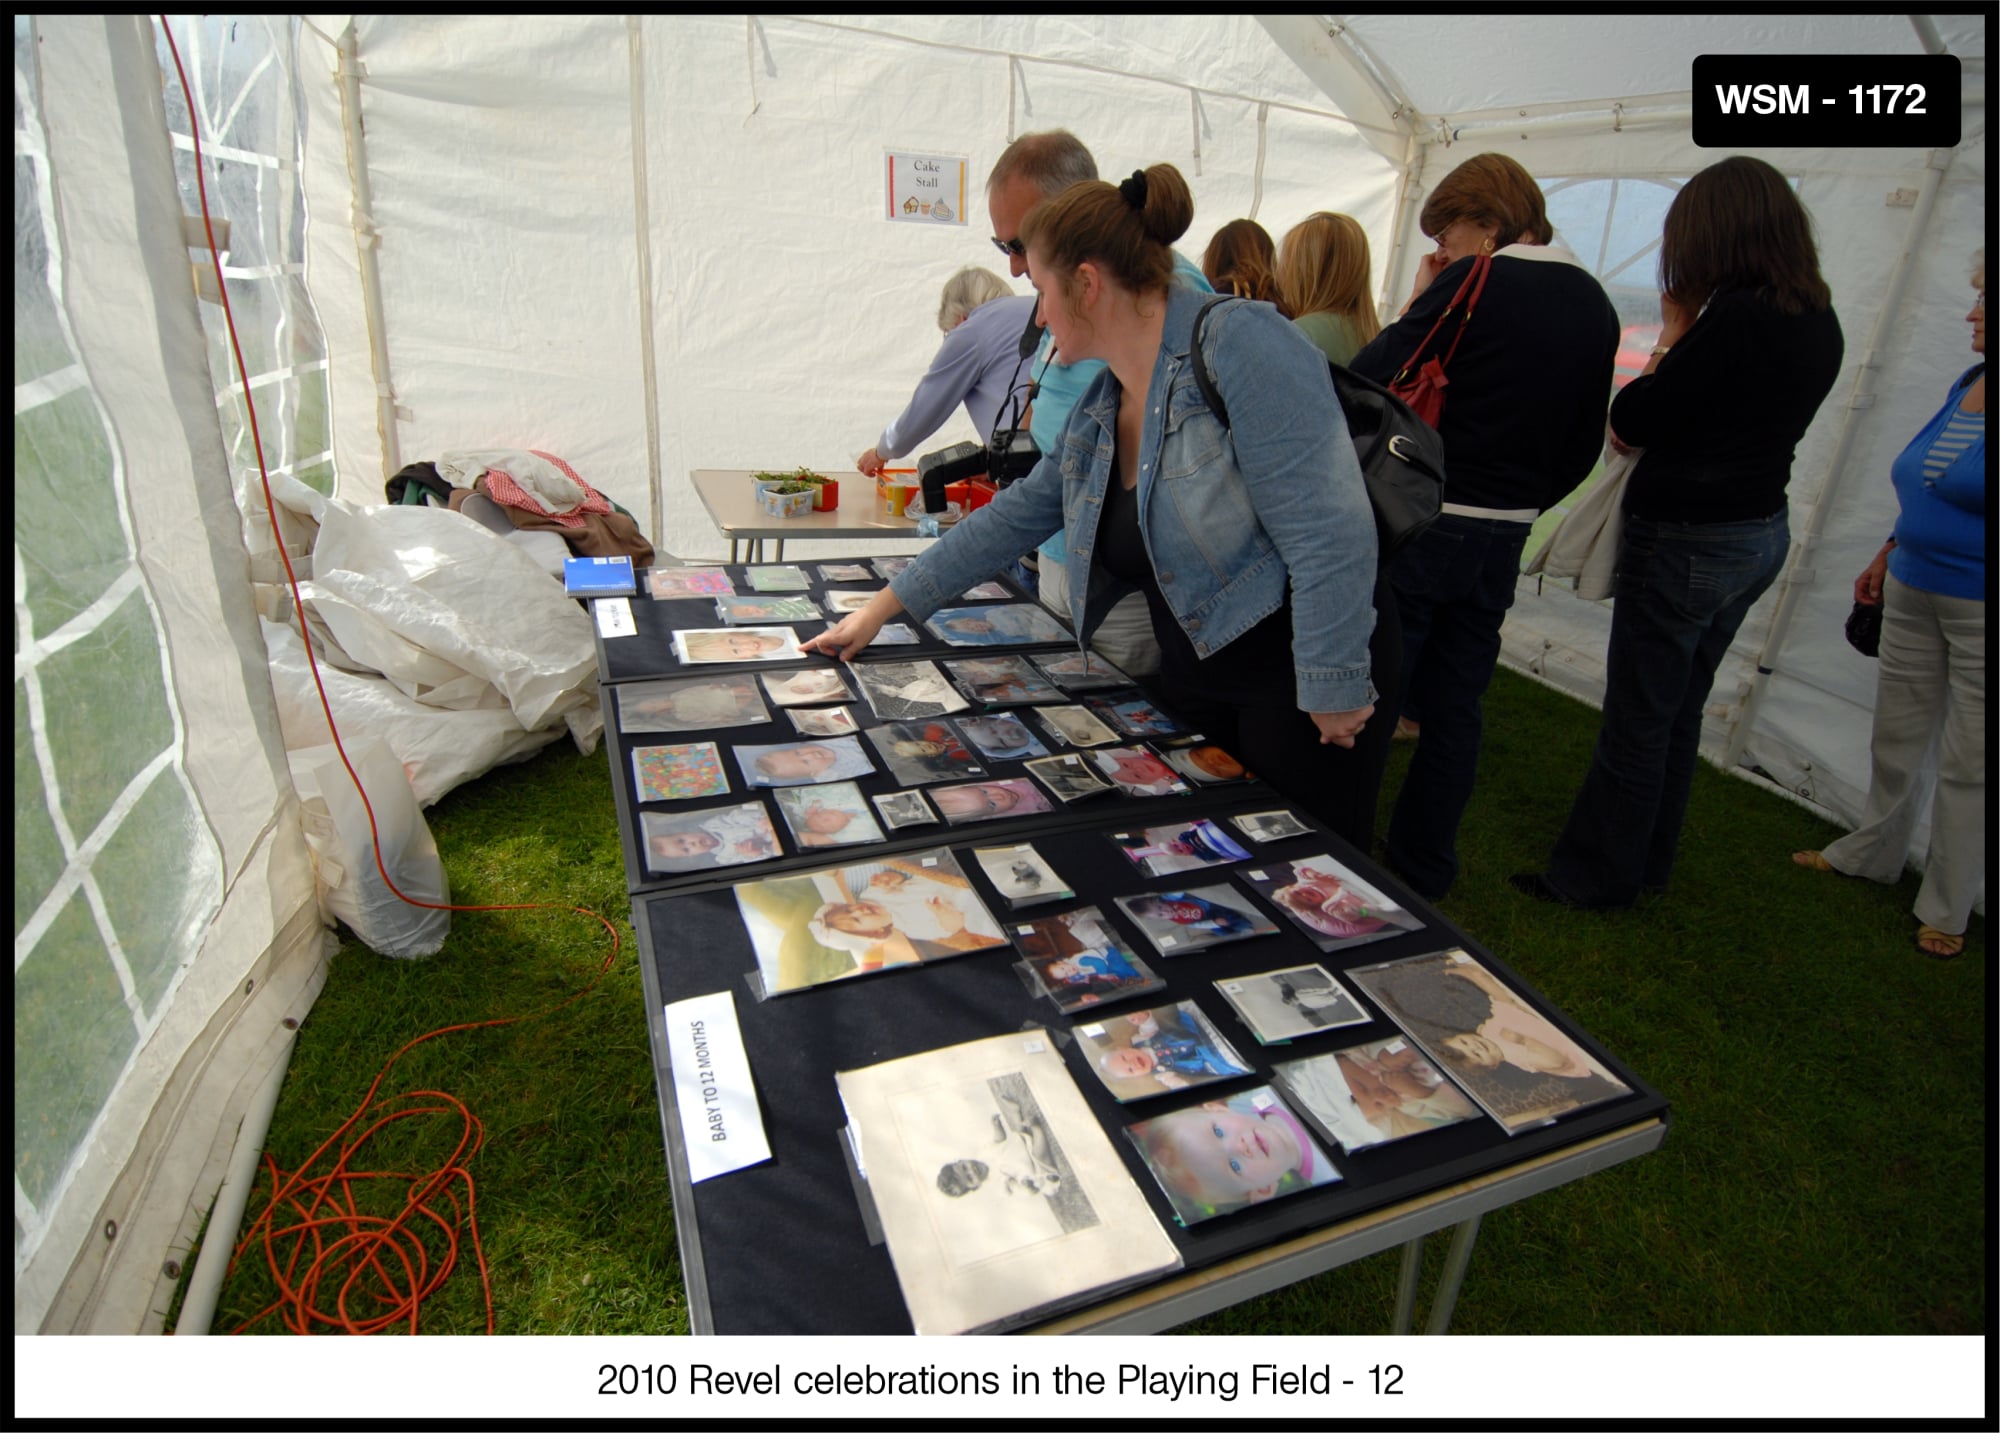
(1453,587)
(1682,591)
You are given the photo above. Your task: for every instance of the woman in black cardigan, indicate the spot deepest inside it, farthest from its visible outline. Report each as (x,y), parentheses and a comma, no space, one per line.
(1749,348)
(1523,424)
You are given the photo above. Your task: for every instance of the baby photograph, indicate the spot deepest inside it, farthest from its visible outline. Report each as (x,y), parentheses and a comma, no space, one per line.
(1223,1156)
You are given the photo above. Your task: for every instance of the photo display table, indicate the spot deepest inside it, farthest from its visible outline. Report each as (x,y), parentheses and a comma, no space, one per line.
(789,1245)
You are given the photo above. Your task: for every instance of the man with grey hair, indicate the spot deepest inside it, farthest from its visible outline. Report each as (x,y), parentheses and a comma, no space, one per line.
(1033,168)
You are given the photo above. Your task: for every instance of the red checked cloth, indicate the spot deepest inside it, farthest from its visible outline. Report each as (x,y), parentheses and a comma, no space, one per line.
(502,488)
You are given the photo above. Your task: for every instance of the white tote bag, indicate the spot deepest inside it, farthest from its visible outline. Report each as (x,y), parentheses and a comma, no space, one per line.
(1585,544)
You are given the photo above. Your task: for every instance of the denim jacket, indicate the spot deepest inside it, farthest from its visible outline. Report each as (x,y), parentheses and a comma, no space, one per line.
(1228,516)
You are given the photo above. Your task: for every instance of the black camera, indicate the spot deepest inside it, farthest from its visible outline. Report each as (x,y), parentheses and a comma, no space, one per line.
(1011,455)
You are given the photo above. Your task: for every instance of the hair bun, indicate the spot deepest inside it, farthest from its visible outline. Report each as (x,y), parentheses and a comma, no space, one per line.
(1133,190)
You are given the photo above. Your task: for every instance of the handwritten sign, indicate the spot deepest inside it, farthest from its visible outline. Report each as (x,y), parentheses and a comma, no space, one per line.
(721,1125)
(926,188)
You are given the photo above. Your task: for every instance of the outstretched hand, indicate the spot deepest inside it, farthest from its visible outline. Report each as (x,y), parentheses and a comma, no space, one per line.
(1341,728)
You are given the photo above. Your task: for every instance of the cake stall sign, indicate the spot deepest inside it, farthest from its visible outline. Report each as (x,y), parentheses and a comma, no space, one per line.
(926,188)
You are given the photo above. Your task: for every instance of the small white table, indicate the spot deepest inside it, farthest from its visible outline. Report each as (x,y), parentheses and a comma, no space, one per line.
(730,497)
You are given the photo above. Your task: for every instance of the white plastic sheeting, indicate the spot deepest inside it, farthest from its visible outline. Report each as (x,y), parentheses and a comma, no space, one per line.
(655,244)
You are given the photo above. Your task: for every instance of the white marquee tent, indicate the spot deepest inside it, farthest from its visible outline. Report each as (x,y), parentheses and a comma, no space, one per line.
(655,244)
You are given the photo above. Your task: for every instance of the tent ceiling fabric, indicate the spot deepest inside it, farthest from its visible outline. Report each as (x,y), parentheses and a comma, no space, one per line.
(1461,66)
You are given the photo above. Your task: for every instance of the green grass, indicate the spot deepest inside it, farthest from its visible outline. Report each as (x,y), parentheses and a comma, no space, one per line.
(1825,1171)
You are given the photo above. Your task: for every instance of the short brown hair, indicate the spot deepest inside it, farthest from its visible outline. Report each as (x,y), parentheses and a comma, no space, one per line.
(1242,260)
(1737,224)
(1098,223)
(1050,159)
(1324,268)
(1489,189)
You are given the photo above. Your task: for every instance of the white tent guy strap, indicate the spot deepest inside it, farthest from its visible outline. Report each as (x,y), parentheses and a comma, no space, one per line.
(654,244)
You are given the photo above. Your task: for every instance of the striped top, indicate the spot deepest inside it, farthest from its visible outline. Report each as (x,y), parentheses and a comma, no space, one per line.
(1960,432)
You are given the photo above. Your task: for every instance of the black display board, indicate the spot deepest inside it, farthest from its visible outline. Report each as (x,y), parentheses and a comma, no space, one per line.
(782,1247)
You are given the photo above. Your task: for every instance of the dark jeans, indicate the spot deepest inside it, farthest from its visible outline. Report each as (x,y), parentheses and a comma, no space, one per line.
(1683,589)
(1339,786)
(1453,587)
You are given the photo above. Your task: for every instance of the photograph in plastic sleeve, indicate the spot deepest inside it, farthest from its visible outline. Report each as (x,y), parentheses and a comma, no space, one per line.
(671,584)
(917,753)
(1205,764)
(776,577)
(813,685)
(845,572)
(824,721)
(1177,922)
(1021,875)
(831,925)
(1227,1154)
(1001,681)
(887,568)
(1333,906)
(985,592)
(1082,672)
(1075,726)
(1136,771)
(753,608)
(1001,1198)
(904,808)
(737,644)
(1510,1058)
(835,815)
(1001,737)
(803,763)
(1135,716)
(1069,777)
(1080,961)
(1154,1052)
(1301,1000)
(841,603)
(690,704)
(1184,846)
(891,634)
(1001,625)
(674,842)
(1372,1094)
(678,773)
(907,691)
(989,800)
(1261,826)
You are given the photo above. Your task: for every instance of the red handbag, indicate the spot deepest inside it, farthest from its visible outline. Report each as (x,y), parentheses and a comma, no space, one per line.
(1424,389)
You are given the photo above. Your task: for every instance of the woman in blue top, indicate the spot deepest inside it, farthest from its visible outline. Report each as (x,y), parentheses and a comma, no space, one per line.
(1930,579)
(1255,546)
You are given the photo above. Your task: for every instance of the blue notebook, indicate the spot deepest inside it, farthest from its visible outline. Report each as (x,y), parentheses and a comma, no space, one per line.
(598,577)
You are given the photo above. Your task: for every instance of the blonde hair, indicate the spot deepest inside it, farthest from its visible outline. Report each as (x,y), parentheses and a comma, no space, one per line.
(1324,267)
(965,291)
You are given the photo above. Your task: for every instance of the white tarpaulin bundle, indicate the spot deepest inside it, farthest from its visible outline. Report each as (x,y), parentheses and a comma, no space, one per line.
(655,244)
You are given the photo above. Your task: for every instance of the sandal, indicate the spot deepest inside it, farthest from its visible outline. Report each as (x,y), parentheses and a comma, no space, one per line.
(1814,860)
(1939,944)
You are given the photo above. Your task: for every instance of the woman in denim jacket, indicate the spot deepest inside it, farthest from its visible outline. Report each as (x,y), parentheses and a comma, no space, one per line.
(1254,546)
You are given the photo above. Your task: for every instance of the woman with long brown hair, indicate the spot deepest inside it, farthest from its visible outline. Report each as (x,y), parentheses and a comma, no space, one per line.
(1323,278)
(1242,260)
(1749,348)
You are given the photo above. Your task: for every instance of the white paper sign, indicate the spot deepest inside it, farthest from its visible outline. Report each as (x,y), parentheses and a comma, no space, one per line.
(721,1125)
(614,617)
(927,188)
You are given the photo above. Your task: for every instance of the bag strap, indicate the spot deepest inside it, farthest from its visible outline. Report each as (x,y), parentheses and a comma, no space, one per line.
(1474,285)
(1202,379)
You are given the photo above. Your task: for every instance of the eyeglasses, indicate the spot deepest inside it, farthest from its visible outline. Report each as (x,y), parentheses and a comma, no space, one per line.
(1011,246)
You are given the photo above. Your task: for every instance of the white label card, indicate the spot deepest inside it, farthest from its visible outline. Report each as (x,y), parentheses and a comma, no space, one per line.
(721,1125)
(614,617)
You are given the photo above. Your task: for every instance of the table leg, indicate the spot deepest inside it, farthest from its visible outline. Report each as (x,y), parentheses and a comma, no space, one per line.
(1446,1298)
(1406,1287)
(781,550)
(732,551)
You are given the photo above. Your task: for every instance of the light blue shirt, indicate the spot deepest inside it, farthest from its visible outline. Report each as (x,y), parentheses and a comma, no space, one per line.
(973,367)
(1232,520)
(1059,385)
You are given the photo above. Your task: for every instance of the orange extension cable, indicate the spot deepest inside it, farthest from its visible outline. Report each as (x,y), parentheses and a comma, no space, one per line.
(318,1243)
